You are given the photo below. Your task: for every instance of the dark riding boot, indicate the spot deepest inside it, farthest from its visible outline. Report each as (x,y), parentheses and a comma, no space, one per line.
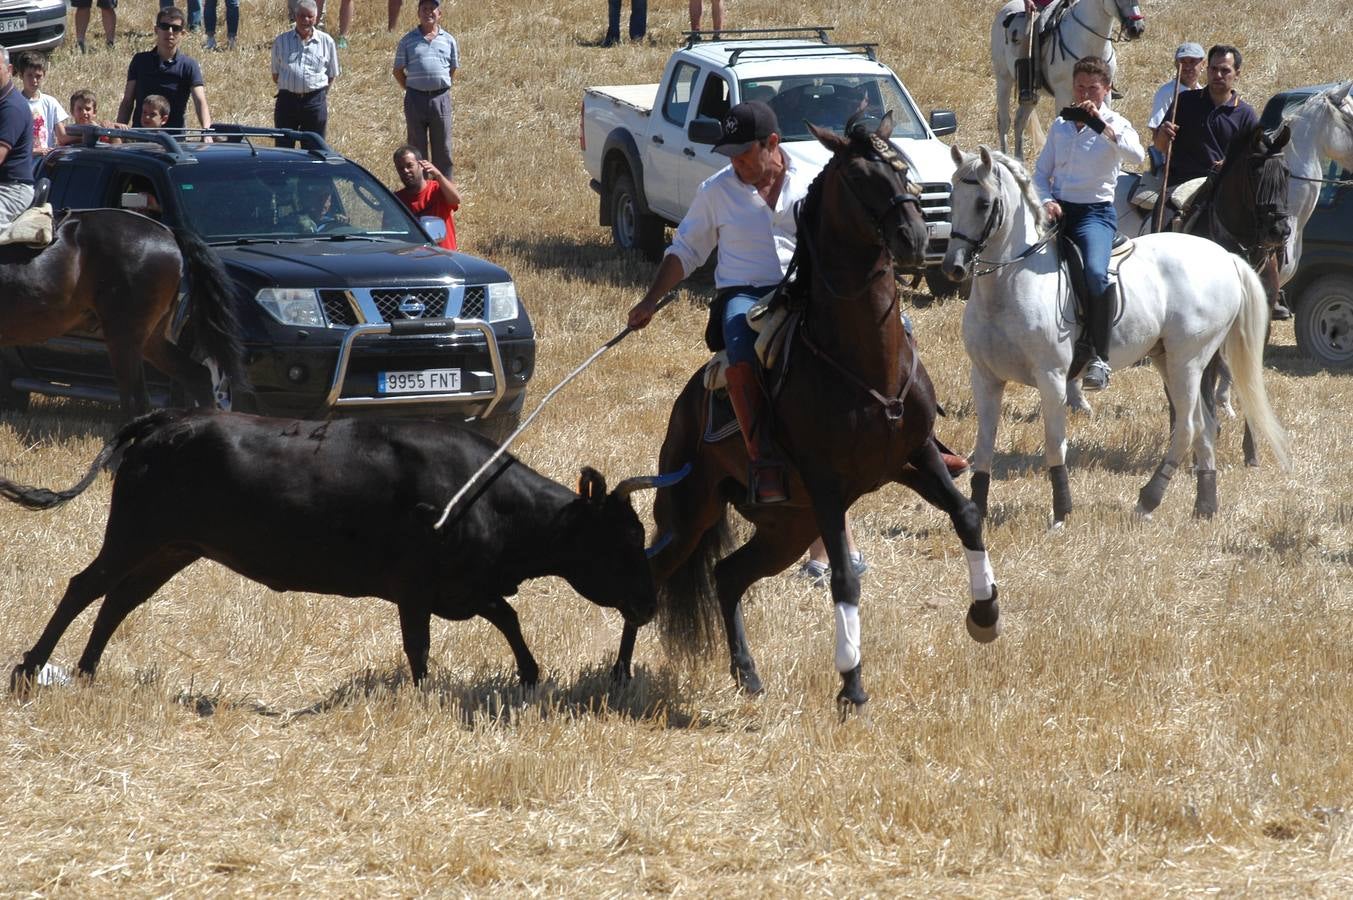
(1024,78)
(1099,319)
(766,481)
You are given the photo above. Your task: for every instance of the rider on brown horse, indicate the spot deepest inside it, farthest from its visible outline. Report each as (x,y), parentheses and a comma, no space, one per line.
(747,210)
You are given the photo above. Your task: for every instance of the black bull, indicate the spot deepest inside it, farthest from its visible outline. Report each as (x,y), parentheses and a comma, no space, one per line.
(344,507)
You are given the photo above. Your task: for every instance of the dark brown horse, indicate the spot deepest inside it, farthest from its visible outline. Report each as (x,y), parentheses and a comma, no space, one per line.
(854,411)
(122,270)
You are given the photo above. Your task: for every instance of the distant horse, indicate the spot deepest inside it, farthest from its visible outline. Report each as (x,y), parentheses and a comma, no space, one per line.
(1322,128)
(122,270)
(1083,31)
(1244,209)
(854,410)
(1185,298)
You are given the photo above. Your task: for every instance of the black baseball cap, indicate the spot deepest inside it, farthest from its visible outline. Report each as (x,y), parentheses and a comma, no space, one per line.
(745,125)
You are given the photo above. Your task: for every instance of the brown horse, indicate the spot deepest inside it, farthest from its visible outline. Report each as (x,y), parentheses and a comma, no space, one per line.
(854,411)
(122,270)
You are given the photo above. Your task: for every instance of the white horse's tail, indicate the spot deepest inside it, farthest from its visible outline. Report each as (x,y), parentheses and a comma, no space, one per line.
(1244,351)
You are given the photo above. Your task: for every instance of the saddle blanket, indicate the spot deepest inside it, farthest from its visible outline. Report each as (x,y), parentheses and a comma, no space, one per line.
(1181,195)
(32,228)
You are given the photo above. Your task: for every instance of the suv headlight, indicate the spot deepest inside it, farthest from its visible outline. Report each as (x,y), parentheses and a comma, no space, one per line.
(293,306)
(502,305)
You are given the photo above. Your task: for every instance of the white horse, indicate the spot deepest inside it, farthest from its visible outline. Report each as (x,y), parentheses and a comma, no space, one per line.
(1186,297)
(1084,31)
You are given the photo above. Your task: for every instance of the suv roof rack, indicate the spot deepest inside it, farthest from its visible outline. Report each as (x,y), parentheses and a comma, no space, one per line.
(172,139)
(750,34)
(754,53)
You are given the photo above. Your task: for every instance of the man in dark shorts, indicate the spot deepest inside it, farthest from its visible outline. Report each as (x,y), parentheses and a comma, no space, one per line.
(165,71)
(107,11)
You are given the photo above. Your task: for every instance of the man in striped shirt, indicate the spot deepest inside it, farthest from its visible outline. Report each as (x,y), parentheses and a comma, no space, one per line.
(304,64)
(425,62)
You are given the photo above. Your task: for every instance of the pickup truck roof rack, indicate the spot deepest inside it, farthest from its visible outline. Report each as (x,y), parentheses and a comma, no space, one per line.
(171,139)
(749,34)
(751,54)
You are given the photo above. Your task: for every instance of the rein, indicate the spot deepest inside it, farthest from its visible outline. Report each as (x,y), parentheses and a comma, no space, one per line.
(892,407)
(1337,182)
(997,213)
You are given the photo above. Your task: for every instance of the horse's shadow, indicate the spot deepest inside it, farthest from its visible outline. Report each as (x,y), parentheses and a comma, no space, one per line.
(489,696)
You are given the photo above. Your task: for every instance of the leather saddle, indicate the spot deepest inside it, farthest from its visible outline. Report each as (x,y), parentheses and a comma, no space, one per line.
(1073,269)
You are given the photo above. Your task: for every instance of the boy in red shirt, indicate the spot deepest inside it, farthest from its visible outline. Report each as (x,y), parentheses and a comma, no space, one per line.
(426,191)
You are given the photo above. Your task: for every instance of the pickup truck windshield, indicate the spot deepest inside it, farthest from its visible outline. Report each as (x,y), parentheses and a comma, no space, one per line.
(829,100)
(290,202)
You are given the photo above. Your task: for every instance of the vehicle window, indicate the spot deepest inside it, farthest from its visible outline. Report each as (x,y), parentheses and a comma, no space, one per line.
(289,202)
(1330,192)
(829,100)
(75,186)
(135,192)
(713,98)
(678,100)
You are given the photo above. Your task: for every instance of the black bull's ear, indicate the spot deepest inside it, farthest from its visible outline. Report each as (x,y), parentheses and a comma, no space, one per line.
(591,485)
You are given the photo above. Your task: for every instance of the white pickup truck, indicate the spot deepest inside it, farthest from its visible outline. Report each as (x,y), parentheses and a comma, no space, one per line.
(637,149)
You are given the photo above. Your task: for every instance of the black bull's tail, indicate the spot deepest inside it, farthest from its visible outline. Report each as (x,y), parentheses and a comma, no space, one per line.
(213,320)
(109,457)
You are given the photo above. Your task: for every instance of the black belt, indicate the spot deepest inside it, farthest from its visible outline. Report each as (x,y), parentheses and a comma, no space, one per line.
(307,95)
(437,93)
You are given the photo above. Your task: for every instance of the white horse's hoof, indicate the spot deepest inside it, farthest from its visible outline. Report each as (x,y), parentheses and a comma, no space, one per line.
(1142,514)
(1056,527)
(990,612)
(984,635)
(53,676)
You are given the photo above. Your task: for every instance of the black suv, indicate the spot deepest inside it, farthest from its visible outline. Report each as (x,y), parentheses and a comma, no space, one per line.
(345,301)
(1321,291)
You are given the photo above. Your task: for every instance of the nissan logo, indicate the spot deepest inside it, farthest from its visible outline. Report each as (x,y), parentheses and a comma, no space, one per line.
(410,307)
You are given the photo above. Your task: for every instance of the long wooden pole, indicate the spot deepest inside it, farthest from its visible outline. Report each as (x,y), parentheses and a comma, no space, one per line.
(1169,151)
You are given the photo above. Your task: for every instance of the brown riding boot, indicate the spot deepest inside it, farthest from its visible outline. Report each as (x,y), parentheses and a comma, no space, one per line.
(766,482)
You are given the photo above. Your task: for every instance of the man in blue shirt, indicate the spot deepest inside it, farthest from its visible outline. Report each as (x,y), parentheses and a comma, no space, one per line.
(16,146)
(167,72)
(425,62)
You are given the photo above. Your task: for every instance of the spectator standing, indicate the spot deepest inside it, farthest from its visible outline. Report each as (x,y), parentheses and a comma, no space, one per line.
(638,21)
(304,64)
(426,191)
(165,71)
(49,117)
(232,8)
(107,12)
(1188,60)
(696,8)
(425,63)
(16,146)
(344,20)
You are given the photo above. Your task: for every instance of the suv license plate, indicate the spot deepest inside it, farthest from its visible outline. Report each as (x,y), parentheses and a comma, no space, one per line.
(11,25)
(430,380)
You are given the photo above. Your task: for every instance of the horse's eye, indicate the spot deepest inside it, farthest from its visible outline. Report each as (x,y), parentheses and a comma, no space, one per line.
(984,204)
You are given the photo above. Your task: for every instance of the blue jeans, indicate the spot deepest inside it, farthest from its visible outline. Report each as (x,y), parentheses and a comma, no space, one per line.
(194,11)
(232,17)
(1091,227)
(738,337)
(638,19)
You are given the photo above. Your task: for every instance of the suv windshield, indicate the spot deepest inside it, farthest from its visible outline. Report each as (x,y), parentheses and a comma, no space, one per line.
(290,201)
(829,100)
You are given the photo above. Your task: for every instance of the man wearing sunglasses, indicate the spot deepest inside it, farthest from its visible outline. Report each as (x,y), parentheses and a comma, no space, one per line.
(167,72)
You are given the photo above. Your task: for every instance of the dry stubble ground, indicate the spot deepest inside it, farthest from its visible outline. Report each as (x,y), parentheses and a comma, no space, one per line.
(1167,713)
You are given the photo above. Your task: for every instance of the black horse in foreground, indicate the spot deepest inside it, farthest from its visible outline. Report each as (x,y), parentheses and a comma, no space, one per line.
(122,271)
(855,410)
(344,507)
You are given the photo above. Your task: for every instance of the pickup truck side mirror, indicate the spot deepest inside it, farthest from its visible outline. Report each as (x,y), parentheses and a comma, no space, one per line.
(943,121)
(435,227)
(704,130)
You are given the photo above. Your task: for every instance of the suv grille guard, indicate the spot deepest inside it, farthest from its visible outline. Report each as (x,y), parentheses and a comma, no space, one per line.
(418,327)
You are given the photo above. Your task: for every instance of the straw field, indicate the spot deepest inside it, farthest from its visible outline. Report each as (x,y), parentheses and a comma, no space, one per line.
(1170,711)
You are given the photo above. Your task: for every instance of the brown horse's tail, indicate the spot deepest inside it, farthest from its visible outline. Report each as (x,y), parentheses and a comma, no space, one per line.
(214,321)
(688,599)
(109,457)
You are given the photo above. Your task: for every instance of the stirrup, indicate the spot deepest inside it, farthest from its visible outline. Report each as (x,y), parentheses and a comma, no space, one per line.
(1096,377)
(766,483)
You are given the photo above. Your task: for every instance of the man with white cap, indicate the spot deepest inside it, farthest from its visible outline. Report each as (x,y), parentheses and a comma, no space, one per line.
(1188,58)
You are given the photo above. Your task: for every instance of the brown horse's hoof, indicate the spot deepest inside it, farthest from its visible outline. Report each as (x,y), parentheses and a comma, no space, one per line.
(852,696)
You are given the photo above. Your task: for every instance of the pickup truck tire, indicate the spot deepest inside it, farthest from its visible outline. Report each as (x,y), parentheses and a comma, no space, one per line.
(942,288)
(631,228)
(11,400)
(1324,321)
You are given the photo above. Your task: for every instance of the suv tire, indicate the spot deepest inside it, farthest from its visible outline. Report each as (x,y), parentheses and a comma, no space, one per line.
(631,228)
(1324,321)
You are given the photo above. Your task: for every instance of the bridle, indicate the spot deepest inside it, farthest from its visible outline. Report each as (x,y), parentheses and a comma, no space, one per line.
(1123,21)
(1268,200)
(997,213)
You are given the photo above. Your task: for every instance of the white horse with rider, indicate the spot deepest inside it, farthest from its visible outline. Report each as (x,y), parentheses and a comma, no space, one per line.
(1083,28)
(1183,299)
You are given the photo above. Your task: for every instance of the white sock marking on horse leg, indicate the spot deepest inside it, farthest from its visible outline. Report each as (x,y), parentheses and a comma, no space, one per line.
(980,576)
(847,637)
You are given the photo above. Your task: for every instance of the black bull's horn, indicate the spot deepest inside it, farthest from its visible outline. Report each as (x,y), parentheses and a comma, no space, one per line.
(642,482)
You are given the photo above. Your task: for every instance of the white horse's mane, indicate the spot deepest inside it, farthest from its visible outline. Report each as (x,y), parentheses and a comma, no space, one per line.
(1316,106)
(973,161)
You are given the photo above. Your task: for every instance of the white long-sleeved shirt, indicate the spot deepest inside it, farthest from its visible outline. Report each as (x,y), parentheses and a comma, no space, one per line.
(1083,166)
(1160,104)
(755,242)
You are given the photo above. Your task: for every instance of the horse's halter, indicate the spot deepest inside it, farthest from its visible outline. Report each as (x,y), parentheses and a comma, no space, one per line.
(1125,21)
(1268,200)
(996,214)
(884,152)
